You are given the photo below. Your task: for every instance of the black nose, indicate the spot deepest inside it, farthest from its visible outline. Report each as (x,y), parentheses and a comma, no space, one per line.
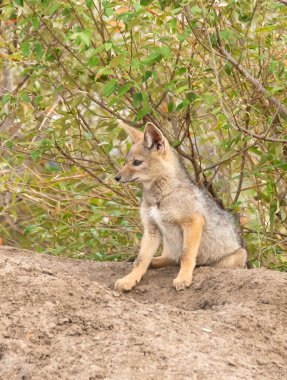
(118,177)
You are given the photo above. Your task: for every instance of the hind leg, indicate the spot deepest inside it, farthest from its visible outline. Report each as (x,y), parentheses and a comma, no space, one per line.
(236,259)
(161,262)
(169,257)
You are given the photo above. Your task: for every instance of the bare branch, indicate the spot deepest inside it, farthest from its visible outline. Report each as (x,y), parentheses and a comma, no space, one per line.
(255,83)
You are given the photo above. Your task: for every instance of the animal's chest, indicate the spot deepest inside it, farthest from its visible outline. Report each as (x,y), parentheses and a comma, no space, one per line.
(161,219)
(170,231)
(155,215)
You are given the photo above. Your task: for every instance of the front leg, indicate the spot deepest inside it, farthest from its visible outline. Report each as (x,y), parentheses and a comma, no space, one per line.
(149,245)
(192,233)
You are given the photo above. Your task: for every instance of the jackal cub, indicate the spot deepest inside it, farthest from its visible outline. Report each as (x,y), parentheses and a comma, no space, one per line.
(194,230)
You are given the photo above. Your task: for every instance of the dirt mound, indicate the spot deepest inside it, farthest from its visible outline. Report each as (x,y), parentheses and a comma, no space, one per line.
(60,319)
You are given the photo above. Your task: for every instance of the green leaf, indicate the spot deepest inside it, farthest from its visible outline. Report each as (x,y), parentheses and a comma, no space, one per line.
(103,71)
(6,98)
(50,57)
(54,8)
(85,37)
(108,46)
(153,58)
(124,89)
(181,70)
(145,2)
(122,135)
(38,50)
(146,76)
(45,144)
(8,143)
(228,68)
(163,4)
(18,2)
(116,61)
(89,3)
(256,151)
(165,51)
(181,89)
(110,87)
(108,11)
(93,61)
(38,100)
(25,97)
(191,96)
(272,211)
(35,22)
(183,104)
(281,165)
(209,99)
(128,18)
(59,89)
(196,10)
(213,40)
(170,107)
(269,28)
(176,143)
(30,228)
(144,111)
(137,99)
(99,49)
(35,154)
(176,11)
(25,47)
(226,34)
(114,100)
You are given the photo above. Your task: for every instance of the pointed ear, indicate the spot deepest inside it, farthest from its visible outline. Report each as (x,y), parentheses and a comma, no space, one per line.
(135,134)
(153,138)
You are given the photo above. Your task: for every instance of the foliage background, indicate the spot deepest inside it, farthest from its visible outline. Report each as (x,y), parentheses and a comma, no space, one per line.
(211,74)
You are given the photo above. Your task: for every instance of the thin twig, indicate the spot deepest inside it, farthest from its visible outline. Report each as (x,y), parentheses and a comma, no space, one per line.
(255,83)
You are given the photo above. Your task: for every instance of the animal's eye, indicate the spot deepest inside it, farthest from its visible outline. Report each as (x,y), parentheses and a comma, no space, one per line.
(137,162)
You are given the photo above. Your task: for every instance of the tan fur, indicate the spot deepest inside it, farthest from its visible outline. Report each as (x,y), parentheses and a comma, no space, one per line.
(236,259)
(192,232)
(193,228)
(161,262)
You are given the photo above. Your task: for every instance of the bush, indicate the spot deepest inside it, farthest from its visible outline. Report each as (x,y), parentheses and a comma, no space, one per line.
(211,76)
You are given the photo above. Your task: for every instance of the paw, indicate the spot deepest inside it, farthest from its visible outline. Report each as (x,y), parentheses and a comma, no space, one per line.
(182,282)
(125,284)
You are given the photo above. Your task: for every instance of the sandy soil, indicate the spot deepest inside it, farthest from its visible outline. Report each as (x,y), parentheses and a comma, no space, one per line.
(61,319)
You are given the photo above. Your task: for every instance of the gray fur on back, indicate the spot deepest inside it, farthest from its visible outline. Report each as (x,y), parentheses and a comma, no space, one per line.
(171,198)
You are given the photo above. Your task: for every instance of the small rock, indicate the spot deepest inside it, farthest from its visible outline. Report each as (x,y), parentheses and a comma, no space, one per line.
(206,330)
(142,289)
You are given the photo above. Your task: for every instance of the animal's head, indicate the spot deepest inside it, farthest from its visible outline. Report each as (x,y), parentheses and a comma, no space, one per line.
(147,157)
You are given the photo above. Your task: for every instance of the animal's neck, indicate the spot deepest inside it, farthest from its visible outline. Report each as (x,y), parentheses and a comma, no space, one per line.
(165,184)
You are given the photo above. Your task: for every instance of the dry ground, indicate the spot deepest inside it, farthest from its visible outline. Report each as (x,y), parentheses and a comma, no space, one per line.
(61,319)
